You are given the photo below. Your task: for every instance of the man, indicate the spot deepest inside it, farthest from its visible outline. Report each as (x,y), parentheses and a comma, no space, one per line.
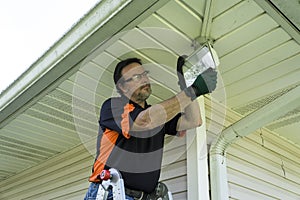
(131,135)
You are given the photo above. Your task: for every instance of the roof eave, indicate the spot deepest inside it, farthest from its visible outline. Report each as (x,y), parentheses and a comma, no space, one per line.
(106,19)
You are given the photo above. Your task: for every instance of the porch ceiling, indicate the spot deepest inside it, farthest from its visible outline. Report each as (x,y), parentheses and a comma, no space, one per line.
(259,55)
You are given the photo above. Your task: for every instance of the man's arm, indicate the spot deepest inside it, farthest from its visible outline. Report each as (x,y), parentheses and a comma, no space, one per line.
(191,117)
(161,113)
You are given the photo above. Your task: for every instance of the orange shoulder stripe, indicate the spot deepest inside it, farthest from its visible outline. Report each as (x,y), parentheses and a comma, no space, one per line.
(107,144)
(125,120)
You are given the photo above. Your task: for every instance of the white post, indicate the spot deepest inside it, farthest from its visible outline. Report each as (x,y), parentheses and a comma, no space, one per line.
(197,163)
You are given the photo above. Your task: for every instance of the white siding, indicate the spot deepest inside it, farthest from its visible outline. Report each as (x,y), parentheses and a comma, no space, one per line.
(265,168)
(62,177)
(174,167)
(66,176)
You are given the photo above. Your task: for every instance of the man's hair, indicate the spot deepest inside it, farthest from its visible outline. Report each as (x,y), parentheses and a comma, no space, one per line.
(120,66)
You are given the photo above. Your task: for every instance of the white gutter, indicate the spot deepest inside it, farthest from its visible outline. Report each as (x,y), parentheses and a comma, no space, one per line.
(245,126)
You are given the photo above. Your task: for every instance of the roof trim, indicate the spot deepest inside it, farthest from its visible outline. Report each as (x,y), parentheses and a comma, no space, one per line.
(106,19)
(291,10)
(273,11)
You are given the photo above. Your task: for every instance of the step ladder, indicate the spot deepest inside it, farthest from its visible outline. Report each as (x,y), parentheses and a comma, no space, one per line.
(112,178)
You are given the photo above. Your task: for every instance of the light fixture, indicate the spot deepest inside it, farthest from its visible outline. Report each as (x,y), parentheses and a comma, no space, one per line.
(200,60)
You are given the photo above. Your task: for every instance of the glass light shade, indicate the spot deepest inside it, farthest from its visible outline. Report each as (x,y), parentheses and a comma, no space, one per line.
(202,59)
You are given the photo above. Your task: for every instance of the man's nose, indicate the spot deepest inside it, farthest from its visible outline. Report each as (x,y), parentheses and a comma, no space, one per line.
(145,78)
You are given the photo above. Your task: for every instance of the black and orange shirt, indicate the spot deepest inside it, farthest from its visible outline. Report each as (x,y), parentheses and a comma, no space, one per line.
(137,155)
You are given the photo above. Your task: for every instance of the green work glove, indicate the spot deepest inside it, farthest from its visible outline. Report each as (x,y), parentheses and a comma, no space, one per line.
(205,83)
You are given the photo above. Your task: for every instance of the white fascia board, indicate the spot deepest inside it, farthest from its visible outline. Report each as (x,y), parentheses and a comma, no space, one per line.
(106,19)
(283,21)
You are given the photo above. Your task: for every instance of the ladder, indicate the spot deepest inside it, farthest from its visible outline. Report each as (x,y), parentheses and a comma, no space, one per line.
(113,178)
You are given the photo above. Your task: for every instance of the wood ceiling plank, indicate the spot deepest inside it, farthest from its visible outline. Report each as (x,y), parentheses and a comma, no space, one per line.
(253,49)
(185,20)
(233,18)
(261,62)
(244,34)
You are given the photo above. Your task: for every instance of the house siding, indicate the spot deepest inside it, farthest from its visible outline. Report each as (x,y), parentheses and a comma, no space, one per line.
(66,175)
(260,166)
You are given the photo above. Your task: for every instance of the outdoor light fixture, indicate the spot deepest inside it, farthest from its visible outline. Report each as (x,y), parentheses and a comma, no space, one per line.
(202,59)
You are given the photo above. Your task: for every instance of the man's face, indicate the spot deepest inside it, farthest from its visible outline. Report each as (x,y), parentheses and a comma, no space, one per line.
(136,84)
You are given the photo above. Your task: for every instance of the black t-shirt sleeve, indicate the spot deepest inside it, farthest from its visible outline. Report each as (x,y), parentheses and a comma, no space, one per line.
(113,111)
(110,116)
(170,127)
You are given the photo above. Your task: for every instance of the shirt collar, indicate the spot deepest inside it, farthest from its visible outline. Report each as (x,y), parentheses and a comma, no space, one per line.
(124,98)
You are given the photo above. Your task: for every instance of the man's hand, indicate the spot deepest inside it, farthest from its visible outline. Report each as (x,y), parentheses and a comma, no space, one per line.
(205,83)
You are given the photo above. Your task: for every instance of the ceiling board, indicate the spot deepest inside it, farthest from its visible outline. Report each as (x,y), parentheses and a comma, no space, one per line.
(220,7)
(253,49)
(244,34)
(35,129)
(233,18)
(197,6)
(184,20)
(174,40)
(285,131)
(265,60)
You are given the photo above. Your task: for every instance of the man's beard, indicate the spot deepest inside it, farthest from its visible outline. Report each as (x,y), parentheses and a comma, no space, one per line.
(143,95)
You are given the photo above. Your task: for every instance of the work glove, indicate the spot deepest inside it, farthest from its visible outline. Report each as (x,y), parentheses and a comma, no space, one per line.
(205,83)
